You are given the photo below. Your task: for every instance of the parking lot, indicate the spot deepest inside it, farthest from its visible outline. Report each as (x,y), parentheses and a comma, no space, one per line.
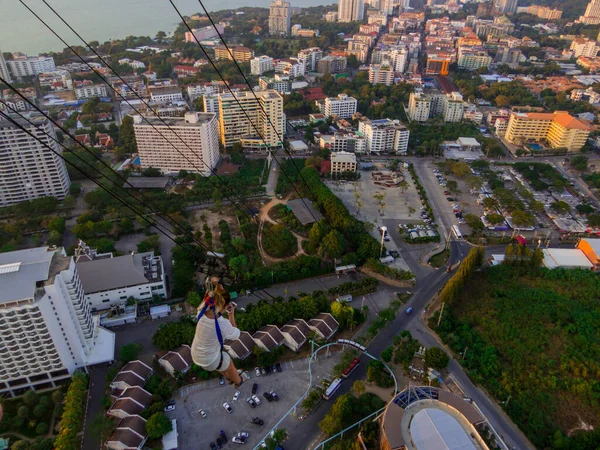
(197,433)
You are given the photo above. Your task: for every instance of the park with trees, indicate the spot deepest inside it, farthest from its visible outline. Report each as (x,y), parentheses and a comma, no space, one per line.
(532,341)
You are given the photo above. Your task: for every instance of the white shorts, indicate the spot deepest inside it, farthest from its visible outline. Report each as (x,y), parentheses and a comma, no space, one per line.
(215,364)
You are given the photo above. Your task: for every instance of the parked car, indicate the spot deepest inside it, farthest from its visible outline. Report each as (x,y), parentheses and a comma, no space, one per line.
(257,421)
(202,413)
(450,199)
(278,366)
(169,408)
(219,443)
(227,407)
(257,371)
(170,402)
(264,372)
(408,310)
(238,440)
(274,396)
(256,400)
(254,388)
(236,396)
(251,402)
(213,446)
(268,396)
(447,193)
(243,434)
(222,381)
(223,436)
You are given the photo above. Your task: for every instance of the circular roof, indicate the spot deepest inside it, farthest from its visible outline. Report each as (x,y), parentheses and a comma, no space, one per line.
(434,429)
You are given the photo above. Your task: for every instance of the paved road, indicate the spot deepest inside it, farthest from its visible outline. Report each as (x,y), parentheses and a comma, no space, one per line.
(94,408)
(426,289)
(273,176)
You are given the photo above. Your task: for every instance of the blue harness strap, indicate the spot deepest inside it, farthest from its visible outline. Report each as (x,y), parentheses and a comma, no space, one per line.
(209,302)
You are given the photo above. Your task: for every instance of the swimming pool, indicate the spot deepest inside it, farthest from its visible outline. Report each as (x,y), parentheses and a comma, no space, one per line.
(136,161)
(536,147)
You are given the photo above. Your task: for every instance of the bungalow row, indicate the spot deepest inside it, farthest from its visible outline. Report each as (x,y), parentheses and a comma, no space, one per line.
(293,335)
(130,400)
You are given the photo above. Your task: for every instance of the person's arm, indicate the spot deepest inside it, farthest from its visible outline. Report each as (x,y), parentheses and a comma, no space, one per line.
(228,330)
(231,315)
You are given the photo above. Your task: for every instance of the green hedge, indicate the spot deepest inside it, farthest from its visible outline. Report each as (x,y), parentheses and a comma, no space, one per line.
(73,414)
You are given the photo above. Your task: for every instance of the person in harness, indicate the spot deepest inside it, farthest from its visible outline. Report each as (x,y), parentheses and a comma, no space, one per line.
(212,330)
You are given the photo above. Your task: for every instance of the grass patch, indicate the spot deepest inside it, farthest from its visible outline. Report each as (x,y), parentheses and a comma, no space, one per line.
(440,259)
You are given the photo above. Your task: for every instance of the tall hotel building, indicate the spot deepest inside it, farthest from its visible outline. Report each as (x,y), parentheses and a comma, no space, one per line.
(351,10)
(279,18)
(28,168)
(47,330)
(172,144)
(242,119)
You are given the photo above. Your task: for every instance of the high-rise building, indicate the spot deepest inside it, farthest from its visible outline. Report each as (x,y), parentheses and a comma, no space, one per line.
(419,107)
(592,13)
(506,6)
(238,53)
(453,107)
(351,10)
(4,69)
(255,120)
(310,57)
(47,330)
(559,129)
(381,74)
(261,64)
(30,66)
(184,143)
(385,135)
(473,58)
(343,162)
(332,64)
(341,106)
(331,16)
(279,18)
(28,168)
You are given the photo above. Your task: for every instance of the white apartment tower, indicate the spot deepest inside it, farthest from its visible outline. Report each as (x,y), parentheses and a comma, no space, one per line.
(261,64)
(453,107)
(341,106)
(351,10)
(184,143)
(592,13)
(30,66)
(310,57)
(255,120)
(279,18)
(419,107)
(28,168)
(381,74)
(385,136)
(4,69)
(47,330)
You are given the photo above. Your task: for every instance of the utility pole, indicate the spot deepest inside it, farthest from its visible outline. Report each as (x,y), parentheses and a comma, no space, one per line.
(507,400)
(441,312)
(465,353)
(383,232)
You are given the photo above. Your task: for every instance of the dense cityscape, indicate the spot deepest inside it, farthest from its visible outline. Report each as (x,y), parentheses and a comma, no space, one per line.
(368,225)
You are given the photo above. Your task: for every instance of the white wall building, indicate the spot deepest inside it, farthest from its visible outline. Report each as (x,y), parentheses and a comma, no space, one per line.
(341,106)
(132,63)
(185,143)
(261,64)
(343,162)
(166,95)
(351,10)
(201,34)
(291,67)
(28,169)
(453,107)
(30,66)
(211,104)
(279,18)
(109,280)
(585,47)
(385,136)
(85,90)
(310,57)
(47,330)
(381,74)
(419,107)
(4,73)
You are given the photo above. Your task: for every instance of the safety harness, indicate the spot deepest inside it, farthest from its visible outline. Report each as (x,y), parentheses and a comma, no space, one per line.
(209,302)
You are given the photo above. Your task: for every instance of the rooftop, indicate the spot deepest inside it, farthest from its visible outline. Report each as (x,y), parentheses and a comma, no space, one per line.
(191,119)
(21,270)
(566,257)
(304,211)
(105,274)
(147,182)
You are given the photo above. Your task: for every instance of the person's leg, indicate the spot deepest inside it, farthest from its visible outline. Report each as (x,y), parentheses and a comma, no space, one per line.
(232,374)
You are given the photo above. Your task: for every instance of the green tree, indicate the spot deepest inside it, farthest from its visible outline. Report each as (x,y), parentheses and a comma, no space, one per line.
(217,198)
(338,415)
(358,387)
(41,428)
(436,358)
(342,312)
(333,245)
(560,207)
(23,412)
(522,218)
(129,352)
(584,208)
(194,299)
(158,425)
(173,334)
(495,219)
(474,222)
(20,445)
(57,224)
(57,397)
(30,398)
(579,163)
